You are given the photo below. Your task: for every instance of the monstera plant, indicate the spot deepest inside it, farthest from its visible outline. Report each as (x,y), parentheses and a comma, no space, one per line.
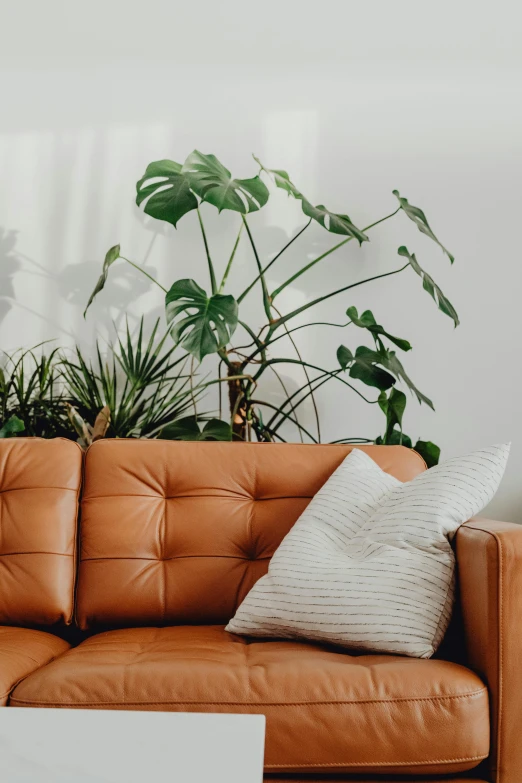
(204,319)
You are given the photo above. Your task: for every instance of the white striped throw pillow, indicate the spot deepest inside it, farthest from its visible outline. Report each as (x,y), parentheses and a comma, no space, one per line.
(369,564)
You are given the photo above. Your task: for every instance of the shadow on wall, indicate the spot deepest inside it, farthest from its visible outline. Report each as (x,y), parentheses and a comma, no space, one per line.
(75,283)
(10,263)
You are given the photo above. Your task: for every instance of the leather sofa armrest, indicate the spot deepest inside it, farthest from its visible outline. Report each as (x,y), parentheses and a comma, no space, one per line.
(489,557)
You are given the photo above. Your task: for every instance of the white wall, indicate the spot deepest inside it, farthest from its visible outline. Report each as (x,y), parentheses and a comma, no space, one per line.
(354,99)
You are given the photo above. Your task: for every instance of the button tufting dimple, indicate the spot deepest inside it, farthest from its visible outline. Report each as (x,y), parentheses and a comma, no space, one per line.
(210,515)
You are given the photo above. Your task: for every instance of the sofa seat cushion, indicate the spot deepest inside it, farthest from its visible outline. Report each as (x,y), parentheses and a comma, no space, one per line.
(21,652)
(365,779)
(326,710)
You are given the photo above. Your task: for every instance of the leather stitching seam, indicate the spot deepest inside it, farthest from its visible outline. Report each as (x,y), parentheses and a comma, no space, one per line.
(375,763)
(470,694)
(500,588)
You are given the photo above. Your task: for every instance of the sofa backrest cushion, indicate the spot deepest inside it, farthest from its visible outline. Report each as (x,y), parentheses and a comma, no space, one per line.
(178,533)
(39,487)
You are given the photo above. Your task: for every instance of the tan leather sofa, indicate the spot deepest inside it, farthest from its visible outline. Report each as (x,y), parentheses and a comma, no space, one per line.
(126,610)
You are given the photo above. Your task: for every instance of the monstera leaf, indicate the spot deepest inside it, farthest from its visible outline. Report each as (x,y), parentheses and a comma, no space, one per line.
(332,221)
(367,321)
(393,407)
(169,196)
(188,428)
(395,438)
(112,255)
(430,286)
(419,218)
(344,356)
(380,369)
(366,368)
(389,360)
(208,322)
(428,451)
(213,183)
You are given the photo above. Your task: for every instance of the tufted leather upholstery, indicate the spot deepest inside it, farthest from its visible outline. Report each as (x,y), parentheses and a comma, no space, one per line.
(39,487)
(175,534)
(23,650)
(489,556)
(365,713)
(366,779)
(179,532)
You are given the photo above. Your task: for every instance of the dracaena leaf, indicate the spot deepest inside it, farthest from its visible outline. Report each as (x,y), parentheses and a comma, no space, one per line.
(332,221)
(206,323)
(430,286)
(419,218)
(112,255)
(214,183)
(367,321)
(169,196)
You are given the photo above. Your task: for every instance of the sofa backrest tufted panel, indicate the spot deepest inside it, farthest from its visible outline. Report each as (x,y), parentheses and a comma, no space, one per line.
(177,533)
(39,487)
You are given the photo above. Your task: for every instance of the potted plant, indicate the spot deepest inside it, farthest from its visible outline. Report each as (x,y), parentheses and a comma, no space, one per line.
(206,320)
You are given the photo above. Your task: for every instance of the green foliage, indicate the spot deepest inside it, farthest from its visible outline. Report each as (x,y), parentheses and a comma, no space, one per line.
(31,396)
(171,197)
(111,256)
(393,407)
(430,286)
(12,427)
(420,220)
(190,428)
(331,221)
(204,324)
(213,183)
(207,329)
(367,321)
(395,438)
(428,451)
(366,368)
(391,362)
(144,386)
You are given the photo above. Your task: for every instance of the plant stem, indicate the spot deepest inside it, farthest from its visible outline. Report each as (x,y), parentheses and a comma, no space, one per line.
(353,440)
(285,416)
(143,272)
(266,297)
(281,321)
(307,376)
(213,282)
(230,260)
(283,385)
(327,253)
(260,345)
(193,398)
(288,332)
(312,367)
(267,267)
(220,389)
(322,380)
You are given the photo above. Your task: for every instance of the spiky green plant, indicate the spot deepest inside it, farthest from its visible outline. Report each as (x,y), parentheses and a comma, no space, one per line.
(143,383)
(32,399)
